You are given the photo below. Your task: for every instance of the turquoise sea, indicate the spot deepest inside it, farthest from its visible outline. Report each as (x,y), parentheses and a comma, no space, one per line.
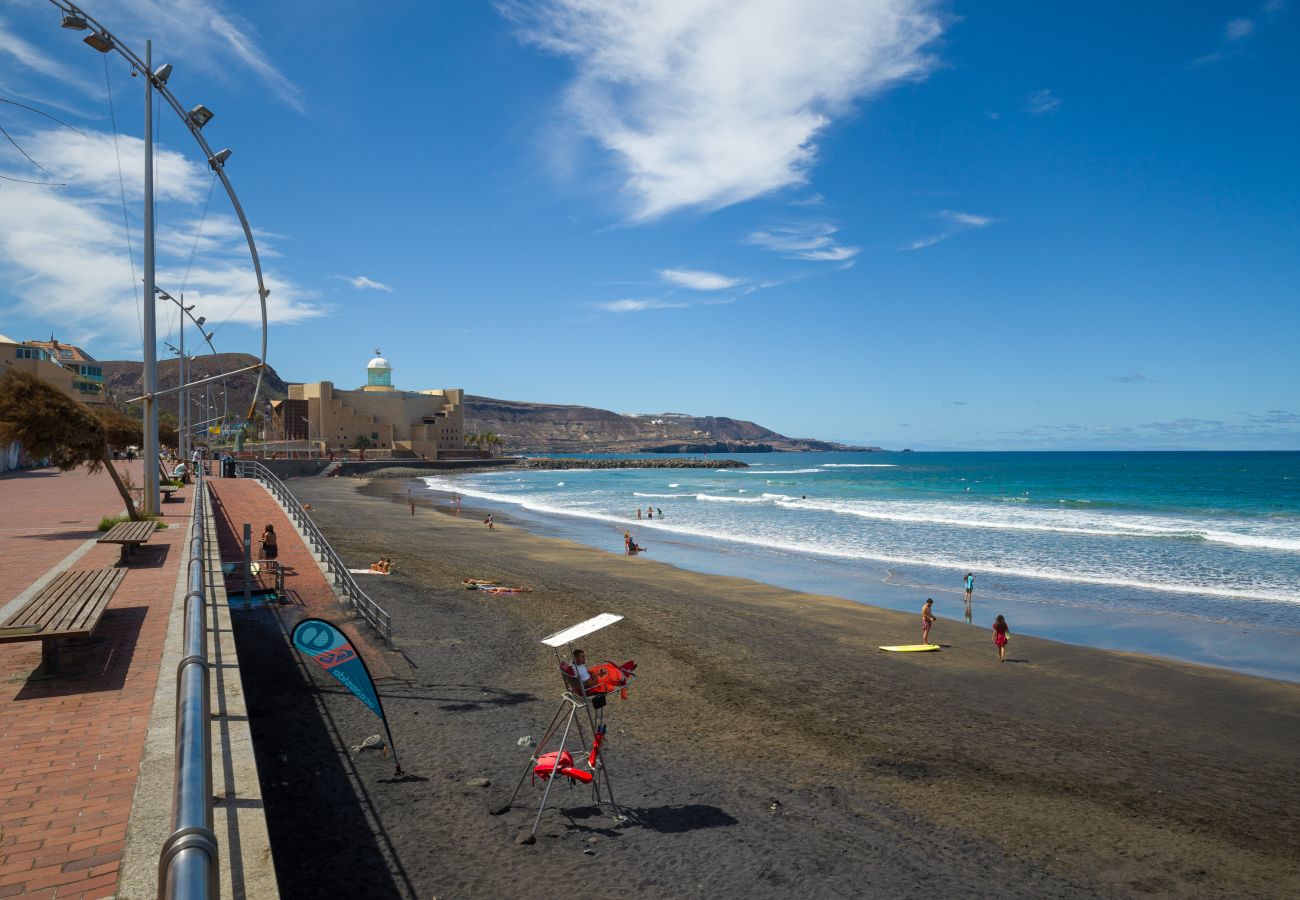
(1189,555)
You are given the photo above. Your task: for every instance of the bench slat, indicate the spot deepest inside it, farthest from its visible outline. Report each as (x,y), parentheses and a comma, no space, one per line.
(129,533)
(50,606)
(45,605)
(70,606)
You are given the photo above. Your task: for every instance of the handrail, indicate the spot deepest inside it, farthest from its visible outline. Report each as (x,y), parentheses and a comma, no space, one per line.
(187,864)
(370,612)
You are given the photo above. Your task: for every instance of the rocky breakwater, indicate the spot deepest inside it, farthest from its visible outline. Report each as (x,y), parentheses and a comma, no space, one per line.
(689,463)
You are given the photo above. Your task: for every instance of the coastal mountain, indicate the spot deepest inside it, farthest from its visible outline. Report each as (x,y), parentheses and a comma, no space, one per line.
(523,427)
(554,428)
(123,380)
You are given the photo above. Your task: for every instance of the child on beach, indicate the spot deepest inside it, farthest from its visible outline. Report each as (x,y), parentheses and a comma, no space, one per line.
(927,619)
(1000,632)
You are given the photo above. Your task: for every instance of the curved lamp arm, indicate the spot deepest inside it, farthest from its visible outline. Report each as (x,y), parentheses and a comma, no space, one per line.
(216,160)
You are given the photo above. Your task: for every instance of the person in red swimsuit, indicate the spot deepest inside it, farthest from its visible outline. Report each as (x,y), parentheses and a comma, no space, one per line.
(1000,632)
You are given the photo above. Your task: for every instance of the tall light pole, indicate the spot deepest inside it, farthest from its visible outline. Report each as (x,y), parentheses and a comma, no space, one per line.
(150,327)
(102,40)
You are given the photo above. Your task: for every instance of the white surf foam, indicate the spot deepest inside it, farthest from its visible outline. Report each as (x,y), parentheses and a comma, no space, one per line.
(859,465)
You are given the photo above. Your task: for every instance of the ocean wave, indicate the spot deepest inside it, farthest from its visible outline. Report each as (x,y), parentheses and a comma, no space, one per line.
(848,548)
(1057,521)
(785,472)
(860,466)
(639,494)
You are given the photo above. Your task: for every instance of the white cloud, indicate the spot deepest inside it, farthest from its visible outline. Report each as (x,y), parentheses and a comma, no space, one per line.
(970,220)
(626,306)
(1237,29)
(958,222)
(699,281)
(707,103)
(361,282)
(194,35)
(812,241)
(63,251)
(1042,102)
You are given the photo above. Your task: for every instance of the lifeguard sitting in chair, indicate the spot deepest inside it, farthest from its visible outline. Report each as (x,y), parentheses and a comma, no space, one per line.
(598,680)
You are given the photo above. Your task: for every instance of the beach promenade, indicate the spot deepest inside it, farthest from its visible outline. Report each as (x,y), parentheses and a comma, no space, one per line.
(70,747)
(86,757)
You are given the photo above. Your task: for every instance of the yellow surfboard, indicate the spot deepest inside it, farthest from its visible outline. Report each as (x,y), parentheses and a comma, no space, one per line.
(911,648)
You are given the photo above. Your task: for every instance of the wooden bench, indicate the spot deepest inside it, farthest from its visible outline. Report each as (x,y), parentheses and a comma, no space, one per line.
(129,535)
(70,606)
(167,490)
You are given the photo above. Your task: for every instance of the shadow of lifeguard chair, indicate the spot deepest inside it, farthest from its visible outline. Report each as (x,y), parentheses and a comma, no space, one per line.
(578,703)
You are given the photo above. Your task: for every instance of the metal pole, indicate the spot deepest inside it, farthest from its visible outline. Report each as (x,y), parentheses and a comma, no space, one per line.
(180,406)
(150,303)
(248,564)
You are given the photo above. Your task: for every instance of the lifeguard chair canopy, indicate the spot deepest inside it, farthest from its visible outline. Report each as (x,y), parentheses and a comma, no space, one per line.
(582,629)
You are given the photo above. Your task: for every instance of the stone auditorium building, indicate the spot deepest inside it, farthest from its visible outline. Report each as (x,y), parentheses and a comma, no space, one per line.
(417,424)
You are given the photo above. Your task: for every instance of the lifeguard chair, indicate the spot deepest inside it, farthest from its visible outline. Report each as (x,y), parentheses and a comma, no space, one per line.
(586,763)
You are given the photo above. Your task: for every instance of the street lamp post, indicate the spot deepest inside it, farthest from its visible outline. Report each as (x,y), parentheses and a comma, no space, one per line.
(102,40)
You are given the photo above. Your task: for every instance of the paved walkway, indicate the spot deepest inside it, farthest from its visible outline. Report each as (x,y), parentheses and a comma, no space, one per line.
(70,747)
(236,501)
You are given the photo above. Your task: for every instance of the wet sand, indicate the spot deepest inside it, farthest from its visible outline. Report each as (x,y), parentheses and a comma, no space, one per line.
(768,748)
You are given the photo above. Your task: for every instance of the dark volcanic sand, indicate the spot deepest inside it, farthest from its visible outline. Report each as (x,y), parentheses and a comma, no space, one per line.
(768,750)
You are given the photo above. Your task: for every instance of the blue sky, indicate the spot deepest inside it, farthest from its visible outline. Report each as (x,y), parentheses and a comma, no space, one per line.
(933,225)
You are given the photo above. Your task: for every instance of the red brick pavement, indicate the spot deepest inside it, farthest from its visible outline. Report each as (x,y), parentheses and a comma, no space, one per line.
(245,500)
(48,514)
(70,747)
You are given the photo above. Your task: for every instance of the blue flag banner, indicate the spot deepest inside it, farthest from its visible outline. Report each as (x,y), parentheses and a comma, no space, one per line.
(334,653)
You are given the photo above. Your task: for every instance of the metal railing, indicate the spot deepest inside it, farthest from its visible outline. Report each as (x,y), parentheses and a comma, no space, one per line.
(187,865)
(370,612)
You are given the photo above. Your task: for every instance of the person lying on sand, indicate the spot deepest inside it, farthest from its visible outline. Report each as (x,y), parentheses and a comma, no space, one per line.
(383,566)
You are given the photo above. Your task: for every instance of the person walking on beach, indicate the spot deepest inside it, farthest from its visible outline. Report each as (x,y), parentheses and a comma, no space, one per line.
(660,511)
(1000,633)
(927,619)
(270,549)
(489,523)
(970,589)
(649,512)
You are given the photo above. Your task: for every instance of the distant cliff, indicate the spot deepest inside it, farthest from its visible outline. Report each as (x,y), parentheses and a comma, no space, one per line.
(123,380)
(554,428)
(523,427)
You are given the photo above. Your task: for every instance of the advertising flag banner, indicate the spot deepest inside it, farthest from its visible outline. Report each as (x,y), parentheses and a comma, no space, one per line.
(334,653)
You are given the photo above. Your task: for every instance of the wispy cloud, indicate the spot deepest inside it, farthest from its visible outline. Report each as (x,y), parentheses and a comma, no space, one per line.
(1041,102)
(628,306)
(1236,35)
(361,282)
(697,280)
(1237,29)
(1135,378)
(957,223)
(811,241)
(707,103)
(197,35)
(63,251)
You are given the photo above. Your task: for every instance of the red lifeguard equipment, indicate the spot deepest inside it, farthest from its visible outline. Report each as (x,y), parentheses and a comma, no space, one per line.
(583,766)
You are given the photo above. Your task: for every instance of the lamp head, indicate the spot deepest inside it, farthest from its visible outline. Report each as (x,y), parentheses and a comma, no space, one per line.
(162,73)
(200,320)
(74,22)
(200,115)
(101,42)
(218,159)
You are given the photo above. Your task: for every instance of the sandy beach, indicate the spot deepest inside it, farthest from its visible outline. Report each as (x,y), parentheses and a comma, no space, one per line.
(767,750)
